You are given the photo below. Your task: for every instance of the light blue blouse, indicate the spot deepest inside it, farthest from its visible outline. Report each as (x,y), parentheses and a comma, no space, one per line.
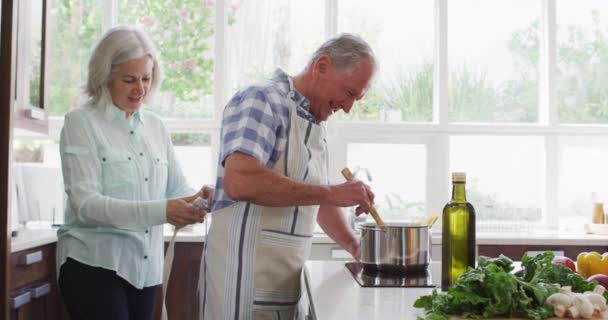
(117,177)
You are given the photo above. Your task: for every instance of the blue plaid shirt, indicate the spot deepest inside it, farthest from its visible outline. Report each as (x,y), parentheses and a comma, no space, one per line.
(256,123)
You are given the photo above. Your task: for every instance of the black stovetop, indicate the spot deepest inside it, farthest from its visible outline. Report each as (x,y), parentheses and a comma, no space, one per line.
(421,279)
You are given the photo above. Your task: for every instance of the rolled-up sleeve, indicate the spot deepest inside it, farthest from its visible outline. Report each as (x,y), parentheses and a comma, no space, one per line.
(82,179)
(249,126)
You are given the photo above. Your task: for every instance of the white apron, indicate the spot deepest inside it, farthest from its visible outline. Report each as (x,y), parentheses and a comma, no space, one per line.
(263,249)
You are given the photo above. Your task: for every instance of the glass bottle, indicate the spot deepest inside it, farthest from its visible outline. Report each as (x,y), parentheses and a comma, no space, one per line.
(458,233)
(598,213)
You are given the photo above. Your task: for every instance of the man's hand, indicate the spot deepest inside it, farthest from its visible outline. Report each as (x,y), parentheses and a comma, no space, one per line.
(352,193)
(181,213)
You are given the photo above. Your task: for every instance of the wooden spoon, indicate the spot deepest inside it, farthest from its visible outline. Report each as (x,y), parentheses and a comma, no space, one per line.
(349,176)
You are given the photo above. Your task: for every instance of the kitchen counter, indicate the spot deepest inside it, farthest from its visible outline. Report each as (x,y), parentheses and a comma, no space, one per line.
(334,294)
(30,238)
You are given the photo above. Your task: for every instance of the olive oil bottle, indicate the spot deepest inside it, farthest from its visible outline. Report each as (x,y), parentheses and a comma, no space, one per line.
(458,233)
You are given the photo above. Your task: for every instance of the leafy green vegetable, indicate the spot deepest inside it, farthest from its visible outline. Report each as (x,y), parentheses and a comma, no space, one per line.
(493,290)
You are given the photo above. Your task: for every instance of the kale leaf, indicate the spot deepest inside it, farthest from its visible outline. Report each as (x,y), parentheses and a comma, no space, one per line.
(492,289)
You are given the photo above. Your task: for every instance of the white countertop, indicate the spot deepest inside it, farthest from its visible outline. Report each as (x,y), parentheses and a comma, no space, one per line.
(28,238)
(334,294)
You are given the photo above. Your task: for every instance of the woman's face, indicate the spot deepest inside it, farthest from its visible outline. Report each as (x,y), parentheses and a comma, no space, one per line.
(130,83)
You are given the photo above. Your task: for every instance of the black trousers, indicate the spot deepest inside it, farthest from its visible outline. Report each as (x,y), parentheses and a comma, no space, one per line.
(92,293)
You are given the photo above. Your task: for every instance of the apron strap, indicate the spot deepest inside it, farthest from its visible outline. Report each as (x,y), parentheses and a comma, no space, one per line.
(167,271)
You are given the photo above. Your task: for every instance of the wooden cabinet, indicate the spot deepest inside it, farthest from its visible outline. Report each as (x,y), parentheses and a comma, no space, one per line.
(182,297)
(515,252)
(33,290)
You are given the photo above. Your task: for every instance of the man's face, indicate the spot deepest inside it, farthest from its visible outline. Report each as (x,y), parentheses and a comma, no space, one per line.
(335,90)
(130,83)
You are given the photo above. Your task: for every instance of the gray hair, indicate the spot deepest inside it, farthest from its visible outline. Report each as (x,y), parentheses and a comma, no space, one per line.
(117,46)
(345,51)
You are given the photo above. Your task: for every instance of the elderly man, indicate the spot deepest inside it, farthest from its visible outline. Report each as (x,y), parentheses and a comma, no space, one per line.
(273,186)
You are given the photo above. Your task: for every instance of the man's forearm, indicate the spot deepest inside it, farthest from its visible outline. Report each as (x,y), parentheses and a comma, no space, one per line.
(248,180)
(335,225)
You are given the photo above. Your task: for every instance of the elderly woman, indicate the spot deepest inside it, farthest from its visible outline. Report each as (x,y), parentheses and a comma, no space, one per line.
(123,183)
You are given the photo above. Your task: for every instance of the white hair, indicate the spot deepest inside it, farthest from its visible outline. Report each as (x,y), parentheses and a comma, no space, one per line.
(117,46)
(345,52)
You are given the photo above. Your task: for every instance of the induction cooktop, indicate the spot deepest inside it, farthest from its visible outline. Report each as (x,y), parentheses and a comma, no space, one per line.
(365,278)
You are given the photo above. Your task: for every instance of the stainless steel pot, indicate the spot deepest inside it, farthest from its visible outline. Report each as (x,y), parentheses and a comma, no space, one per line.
(395,247)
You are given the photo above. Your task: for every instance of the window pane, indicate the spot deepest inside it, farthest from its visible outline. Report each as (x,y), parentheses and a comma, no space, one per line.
(184,35)
(401,34)
(193,153)
(493,60)
(268,34)
(400,190)
(582,172)
(75,26)
(41,151)
(582,61)
(35,52)
(505,178)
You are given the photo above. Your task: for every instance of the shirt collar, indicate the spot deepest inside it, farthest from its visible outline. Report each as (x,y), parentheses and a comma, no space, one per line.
(301,101)
(112,112)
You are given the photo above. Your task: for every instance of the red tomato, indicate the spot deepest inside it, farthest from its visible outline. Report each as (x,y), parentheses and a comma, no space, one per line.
(565,261)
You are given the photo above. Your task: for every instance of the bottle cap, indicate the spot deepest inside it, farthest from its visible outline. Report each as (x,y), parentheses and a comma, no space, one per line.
(459,177)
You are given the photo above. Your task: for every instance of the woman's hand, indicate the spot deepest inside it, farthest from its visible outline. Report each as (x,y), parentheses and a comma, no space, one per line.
(181,213)
(206,193)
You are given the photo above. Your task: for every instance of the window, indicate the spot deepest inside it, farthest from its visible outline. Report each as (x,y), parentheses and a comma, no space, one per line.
(269,34)
(194,154)
(463,85)
(396,174)
(582,172)
(184,36)
(504,178)
(74,27)
(582,61)
(493,60)
(401,34)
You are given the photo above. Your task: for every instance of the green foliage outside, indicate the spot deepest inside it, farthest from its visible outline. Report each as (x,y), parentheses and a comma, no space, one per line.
(75,27)
(583,74)
(190,139)
(183,33)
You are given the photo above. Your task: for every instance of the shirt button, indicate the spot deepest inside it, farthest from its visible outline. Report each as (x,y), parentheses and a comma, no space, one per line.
(129,158)
(141,154)
(147,231)
(145,257)
(146,179)
(103,159)
(131,132)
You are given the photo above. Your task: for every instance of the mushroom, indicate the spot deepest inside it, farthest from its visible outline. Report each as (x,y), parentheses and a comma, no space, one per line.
(583,306)
(599,289)
(597,300)
(560,302)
